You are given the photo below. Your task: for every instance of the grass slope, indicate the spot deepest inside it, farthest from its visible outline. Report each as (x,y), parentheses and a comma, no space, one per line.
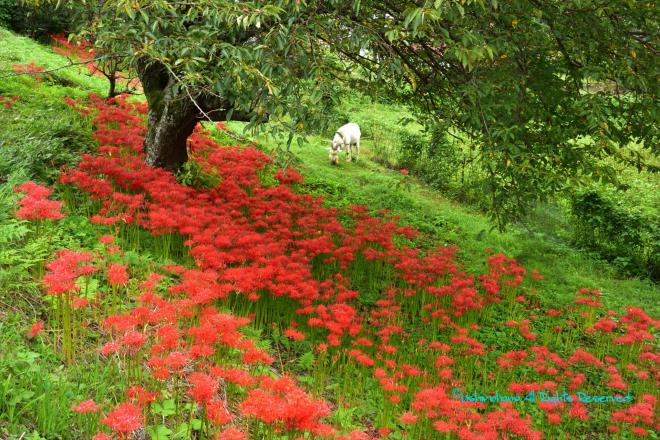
(38,125)
(443,221)
(39,131)
(39,122)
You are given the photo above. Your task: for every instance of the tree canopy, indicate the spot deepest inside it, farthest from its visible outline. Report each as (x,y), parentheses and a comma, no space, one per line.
(541,90)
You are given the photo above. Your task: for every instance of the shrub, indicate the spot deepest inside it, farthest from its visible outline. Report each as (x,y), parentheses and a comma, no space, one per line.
(622,234)
(35,21)
(435,160)
(193,175)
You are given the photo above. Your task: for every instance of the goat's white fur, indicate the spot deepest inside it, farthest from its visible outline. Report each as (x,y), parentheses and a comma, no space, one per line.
(346,136)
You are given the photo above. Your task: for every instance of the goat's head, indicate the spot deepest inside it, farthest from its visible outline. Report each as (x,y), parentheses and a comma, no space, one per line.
(335,148)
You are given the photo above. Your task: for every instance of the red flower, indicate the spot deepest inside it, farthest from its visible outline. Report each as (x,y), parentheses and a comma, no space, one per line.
(408,418)
(106,239)
(140,395)
(79,303)
(117,274)
(36,205)
(124,419)
(36,328)
(231,434)
(203,388)
(217,413)
(109,348)
(86,406)
(294,334)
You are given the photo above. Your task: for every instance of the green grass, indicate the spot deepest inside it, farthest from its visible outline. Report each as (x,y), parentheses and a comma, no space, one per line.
(39,128)
(445,222)
(34,133)
(39,131)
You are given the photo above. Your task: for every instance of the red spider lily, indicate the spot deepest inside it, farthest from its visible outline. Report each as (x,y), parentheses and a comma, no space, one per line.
(281,401)
(408,418)
(234,375)
(231,434)
(605,325)
(106,239)
(124,419)
(117,274)
(62,273)
(132,341)
(582,356)
(203,387)
(79,303)
(140,395)
(36,328)
(109,348)
(36,205)
(8,101)
(84,407)
(294,334)
(253,356)
(81,50)
(30,68)
(216,412)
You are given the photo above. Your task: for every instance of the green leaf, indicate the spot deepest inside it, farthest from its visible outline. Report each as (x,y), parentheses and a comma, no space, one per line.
(165,408)
(160,432)
(306,361)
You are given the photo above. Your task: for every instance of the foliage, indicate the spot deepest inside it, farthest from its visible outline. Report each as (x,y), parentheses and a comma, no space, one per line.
(624,234)
(510,77)
(436,160)
(38,146)
(241,234)
(193,175)
(35,21)
(254,58)
(40,132)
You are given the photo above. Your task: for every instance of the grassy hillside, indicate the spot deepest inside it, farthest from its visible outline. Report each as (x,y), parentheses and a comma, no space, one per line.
(443,221)
(52,131)
(129,316)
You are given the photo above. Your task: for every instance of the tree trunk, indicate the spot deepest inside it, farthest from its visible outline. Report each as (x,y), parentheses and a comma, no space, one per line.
(171,120)
(173,115)
(112,89)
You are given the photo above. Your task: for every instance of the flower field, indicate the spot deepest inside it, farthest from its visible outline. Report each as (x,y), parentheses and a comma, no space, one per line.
(262,313)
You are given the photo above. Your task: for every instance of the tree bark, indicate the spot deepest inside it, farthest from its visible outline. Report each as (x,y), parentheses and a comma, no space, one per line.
(173,116)
(112,89)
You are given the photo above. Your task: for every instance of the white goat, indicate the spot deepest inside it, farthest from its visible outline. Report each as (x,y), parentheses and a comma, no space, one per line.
(346,136)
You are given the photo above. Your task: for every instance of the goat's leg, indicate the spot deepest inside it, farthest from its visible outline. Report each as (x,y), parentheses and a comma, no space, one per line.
(357,151)
(349,155)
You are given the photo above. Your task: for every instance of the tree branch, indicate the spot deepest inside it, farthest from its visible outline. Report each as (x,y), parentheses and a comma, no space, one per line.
(43,72)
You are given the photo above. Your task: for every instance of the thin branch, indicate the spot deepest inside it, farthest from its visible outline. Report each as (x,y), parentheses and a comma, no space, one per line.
(205,114)
(42,72)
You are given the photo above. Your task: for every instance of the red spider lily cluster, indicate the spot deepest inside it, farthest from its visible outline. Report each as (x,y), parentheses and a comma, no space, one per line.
(8,101)
(81,50)
(36,328)
(378,308)
(36,205)
(31,69)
